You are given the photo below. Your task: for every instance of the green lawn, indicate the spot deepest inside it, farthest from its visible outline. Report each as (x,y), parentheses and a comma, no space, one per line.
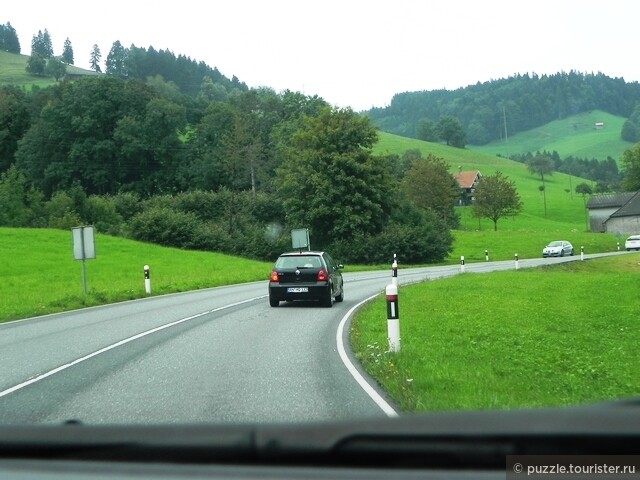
(38,274)
(12,72)
(551,336)
(573,136)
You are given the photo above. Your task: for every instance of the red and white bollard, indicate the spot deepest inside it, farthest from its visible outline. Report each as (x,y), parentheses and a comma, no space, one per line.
(393,318)
(147,280)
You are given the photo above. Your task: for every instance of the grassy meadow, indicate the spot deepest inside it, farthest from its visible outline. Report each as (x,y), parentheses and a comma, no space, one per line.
(12,72)
(527,233)
(552,336)
(527,338)
(38,274)
(573,136)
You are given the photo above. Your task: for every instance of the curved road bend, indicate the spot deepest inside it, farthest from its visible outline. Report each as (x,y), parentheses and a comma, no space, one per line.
(219,355)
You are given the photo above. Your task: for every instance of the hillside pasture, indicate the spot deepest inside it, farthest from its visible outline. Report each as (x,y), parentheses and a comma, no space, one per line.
(575,136)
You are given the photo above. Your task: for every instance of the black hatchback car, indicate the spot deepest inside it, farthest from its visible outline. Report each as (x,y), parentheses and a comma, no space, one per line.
(306,276)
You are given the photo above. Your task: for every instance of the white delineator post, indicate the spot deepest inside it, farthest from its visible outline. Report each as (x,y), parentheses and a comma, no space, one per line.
(486,255)
(515,257)
(147,280)
(393,318)
(462,264)
(618,246)
(394,271)
(581,253)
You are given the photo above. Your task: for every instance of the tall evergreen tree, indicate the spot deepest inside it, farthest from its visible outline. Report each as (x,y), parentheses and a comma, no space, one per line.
(117,61)
(67,52)
(95,58)
(9,39)
(41,45)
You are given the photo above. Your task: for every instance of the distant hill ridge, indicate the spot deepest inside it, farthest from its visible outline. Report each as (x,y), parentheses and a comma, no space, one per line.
(523,102)
(187,74)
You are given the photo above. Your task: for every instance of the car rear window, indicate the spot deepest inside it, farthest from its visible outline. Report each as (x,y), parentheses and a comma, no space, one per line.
(302,261)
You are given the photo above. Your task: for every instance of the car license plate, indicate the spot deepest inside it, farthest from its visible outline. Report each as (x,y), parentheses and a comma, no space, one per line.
(297,290)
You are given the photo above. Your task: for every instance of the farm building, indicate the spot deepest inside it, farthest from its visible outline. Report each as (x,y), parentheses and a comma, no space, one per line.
(615,213)
(468,182)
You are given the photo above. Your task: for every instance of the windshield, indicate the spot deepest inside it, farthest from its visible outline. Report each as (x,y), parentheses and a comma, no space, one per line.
(308,212)
(299,261)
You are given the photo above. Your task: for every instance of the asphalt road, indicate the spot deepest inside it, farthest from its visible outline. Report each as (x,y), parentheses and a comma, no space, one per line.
(219,355)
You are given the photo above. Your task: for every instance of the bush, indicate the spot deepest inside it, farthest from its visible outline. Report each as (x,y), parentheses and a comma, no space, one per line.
(428,241)
(205,205)
(127,205)
(103,215)
(165,226)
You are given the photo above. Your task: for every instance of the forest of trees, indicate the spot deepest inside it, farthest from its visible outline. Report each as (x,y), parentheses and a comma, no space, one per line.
(9,41)
(165,149)
(143,160)
(604,172)
(526,101)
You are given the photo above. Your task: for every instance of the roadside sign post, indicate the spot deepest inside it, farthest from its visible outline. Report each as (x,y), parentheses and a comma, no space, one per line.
(300,239)
(83,248)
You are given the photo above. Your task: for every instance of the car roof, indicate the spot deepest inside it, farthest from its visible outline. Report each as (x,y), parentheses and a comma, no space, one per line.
(304,252)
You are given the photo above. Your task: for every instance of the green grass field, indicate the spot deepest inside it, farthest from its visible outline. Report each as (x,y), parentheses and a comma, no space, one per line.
(38,274)
(525,234)
(12,72)
(551,336)
(573,136)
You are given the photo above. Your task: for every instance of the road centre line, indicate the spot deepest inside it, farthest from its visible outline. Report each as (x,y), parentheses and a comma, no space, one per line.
(369,390)
(120,343)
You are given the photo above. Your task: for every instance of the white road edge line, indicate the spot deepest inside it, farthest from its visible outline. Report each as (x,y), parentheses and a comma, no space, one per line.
(369,390)
(118,344)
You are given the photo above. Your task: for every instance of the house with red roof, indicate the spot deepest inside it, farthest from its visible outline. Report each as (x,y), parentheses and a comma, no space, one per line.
(468,182)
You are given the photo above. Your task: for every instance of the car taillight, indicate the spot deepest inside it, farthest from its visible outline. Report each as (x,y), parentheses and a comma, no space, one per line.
(322,275)
(274,276)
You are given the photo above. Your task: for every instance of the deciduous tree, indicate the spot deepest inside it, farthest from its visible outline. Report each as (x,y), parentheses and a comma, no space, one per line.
(451,131)
(541,165)
(36,65)
(329,179)
(430,186)
(631,169)
(496,197)
(55,68)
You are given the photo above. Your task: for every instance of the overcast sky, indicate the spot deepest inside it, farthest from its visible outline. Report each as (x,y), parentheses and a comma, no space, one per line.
(352,53)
